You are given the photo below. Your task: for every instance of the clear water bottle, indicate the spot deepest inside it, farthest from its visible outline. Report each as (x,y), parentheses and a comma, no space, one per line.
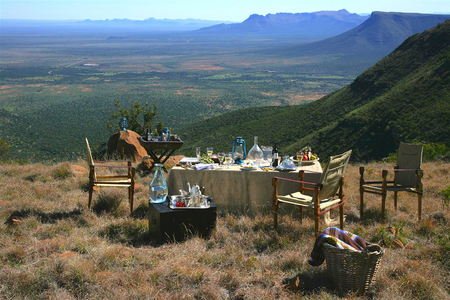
(158,187)
(255,154)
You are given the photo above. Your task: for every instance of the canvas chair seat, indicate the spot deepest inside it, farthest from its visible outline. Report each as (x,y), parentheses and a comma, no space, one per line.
(118,180)
(407,178)
(379,188)
(328,193)
(307,201)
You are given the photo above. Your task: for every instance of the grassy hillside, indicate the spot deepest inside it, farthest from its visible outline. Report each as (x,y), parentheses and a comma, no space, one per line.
(404,97)
(52,247)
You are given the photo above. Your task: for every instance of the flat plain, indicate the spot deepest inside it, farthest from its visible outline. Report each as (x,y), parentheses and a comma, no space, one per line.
(58,86)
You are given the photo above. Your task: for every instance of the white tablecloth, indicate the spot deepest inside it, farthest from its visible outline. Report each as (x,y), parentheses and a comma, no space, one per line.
(237,190)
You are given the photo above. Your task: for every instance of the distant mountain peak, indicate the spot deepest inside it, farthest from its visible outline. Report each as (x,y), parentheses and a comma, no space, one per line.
(380,34)
(319,24)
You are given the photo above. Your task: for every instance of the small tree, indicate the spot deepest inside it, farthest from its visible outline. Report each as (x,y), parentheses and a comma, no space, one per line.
(4,150)
(140,118)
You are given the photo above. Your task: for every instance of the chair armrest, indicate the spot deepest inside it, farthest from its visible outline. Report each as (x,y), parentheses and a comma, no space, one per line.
(297,181)
(311,171)
(405,170)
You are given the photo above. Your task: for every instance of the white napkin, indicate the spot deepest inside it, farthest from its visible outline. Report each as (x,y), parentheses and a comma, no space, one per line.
(202,166)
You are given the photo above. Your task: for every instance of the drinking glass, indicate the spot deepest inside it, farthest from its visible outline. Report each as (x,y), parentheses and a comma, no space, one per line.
(267,153)
(209,150)
(228,159)
(197,152)
(221,157)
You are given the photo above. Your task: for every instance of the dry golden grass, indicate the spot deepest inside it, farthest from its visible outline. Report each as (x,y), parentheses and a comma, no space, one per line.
(52,247)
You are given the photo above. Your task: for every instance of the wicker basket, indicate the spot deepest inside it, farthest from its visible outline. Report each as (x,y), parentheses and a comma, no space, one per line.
(350,270)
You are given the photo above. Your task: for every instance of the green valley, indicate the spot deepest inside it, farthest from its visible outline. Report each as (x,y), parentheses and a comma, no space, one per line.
(404,97)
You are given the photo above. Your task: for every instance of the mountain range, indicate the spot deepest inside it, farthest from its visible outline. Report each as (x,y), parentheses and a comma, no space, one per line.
(150,24)
(405,97)
(370,41)
(319,24)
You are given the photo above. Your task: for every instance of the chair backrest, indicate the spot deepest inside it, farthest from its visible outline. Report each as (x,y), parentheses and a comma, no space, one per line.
(332,174)
(89,158)
(409,157)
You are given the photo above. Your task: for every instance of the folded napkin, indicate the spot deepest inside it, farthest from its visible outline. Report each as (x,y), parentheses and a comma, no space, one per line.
(336,237)
(203,166)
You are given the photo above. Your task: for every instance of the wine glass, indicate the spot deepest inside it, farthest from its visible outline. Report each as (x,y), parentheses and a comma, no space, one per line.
(221,157)
(209,150)
(197,152)
(228,159)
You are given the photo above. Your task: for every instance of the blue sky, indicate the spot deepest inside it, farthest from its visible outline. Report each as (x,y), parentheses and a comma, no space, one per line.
(227,10)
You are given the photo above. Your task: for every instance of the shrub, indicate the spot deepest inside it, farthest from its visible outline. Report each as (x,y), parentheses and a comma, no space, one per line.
(434,151)
(108,203)
(62,171)
(445,193)
(131,232)
(4,150)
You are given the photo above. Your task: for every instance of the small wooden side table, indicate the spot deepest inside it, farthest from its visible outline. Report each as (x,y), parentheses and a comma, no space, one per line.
(176,224)
(167,148)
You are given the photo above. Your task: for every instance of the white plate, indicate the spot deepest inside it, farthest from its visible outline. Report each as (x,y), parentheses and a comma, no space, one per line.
(279,168)
(249,169)
(308,162)
(192,160)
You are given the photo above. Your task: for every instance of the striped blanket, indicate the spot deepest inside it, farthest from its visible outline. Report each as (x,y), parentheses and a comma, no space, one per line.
(337,237)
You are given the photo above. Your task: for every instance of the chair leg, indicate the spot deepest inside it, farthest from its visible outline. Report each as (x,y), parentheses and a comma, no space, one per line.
(275,214)
(131,196)
(316,223)
(301,214)
(395,199)
(383,205)
(361,203)
(341,217)
(91,190)
(419,199)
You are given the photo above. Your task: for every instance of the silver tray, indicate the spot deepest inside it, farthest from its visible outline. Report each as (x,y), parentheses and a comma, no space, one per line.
(187,207)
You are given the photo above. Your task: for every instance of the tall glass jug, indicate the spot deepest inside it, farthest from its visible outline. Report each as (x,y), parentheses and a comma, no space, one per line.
(158,187)
(255,154)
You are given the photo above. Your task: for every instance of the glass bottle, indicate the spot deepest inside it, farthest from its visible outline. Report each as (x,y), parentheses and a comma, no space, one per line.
(255,152)
(158,187)
(275,156)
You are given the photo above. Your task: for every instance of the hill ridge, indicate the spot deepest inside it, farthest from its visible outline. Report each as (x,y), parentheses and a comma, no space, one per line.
(404,97)
(320,24)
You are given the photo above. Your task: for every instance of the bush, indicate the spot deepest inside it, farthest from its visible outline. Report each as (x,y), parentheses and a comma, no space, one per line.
(4,150)
(62,171)
(445,193)
(434,151)
(134,115)
(108,203)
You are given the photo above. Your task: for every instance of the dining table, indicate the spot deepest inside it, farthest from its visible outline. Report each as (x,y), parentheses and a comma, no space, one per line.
(238,190)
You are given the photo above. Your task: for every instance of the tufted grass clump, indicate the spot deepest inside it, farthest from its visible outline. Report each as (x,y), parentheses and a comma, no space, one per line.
(109,203)
(62,171)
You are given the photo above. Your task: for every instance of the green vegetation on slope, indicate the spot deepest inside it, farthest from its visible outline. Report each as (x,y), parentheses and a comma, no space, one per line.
(51,101)
(404,97)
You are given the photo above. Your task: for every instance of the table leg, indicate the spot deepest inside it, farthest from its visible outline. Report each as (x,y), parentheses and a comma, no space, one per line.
(157,160)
